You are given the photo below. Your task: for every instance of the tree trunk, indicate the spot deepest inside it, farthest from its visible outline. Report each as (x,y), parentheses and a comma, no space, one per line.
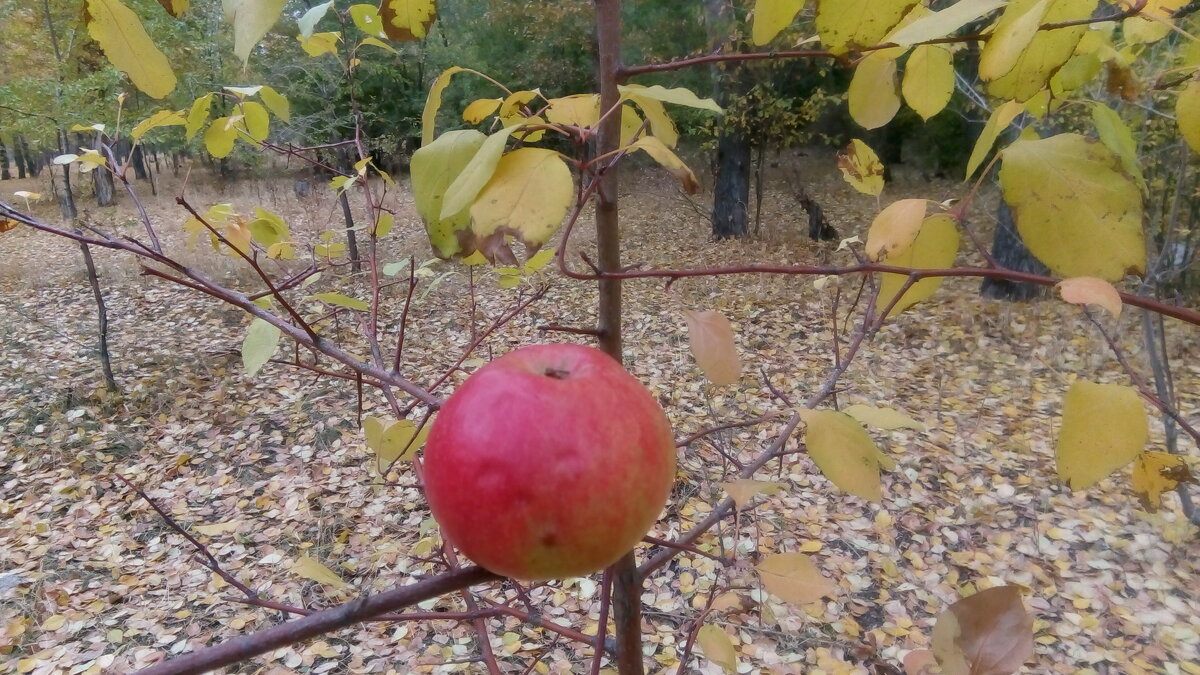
(19,156)
(138,159)
(344,164)
(102,181)
(4,174)
(31,159)
(731,191)
(1010,251)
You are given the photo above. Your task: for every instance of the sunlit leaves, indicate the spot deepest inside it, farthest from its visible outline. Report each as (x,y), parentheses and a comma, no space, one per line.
(527,196)
(480,109)
(407,20)
(895,228)
(669,161)
(269,231)
(845,453)
(928,80)
(844,24)
(873,98)
(988,633)
(367,19)
(434,167)
(251,19)
(935,247)
(942,23)
(1155,473)
(259,345)
(793,578)
(712,340)
(717,647)
(1091,291)
(997,122)
(255,122)
(1075,207)
(1104,427)
(1187,114)
(579,110)
(861,168)
(162,118)
(771,17)
(120,34)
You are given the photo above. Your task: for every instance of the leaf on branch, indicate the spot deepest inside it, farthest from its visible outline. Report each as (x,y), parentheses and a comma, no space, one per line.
(667,159)
(1074,206)
(1187,114)
(527,196)
(895,228)
(368,20)
(463,191)
(259,345)
(1104,426)
(717,647)
(576,110)
(1157,472)
(988,633)
(480,109)
(1046,53)
(434,167)
(1116,135)
(794,578)
(846,24)
(678,96)
(307,23)
(882,418)
(408,20)
(861,168)
(771,17)
(276,103)
(434,102)
(942,23)
(219,137)
(935,247)
(1011,36)
(1153,23)
(845,453)
(998,121)
(393,440)
(1091,291)
(162,118)
(251,19)
(661,125)
(198,115)
(320,43)
(120,33)
(928,80)
(872,95)
(713,346)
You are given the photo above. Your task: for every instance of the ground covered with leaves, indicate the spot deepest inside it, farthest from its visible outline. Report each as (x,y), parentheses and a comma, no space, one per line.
(273,474)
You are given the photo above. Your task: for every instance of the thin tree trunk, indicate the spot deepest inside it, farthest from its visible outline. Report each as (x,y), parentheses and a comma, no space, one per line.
(731,181)
(4,173)
(351,236)
(19,156)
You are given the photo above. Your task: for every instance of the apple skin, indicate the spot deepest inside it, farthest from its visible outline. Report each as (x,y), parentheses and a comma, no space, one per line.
(550,462)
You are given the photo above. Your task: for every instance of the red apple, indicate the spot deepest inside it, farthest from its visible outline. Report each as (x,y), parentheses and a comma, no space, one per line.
(551,461)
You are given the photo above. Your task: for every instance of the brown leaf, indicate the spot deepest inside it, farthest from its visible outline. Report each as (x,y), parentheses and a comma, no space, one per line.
(988,633)
(711,336)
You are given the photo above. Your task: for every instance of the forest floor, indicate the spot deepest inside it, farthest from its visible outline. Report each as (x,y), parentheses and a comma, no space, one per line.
(270,469)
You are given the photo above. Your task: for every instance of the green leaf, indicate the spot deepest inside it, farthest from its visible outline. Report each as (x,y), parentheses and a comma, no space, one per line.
(1117,136)
(928,80)
(461,193)
(1074,206)
(935,247)
(219,137)
(368,20)
(162,118)
(999,120)
(255,122)
(527,196)
(845,453)
(259,345)
(433,168)
(276,103)
(677,96)
(308,22)
(251,19)
(408,20)
(198,115)
(844,24)
(771,17)
(1104,426)
(120,34)
(342,300)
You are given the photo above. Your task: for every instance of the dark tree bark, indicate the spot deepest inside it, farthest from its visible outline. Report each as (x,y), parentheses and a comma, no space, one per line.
(32,168)
(351,236)
(138,159)
(4,173)
(1010,251)
(731,191)
(19,156)
(102,181)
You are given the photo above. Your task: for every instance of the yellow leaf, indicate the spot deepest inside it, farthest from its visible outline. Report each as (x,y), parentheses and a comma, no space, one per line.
(217,529)
(794,578)
(845,24)
(461,193)
(162,118)
(407,20)
(882,418)
(676,96)
(895,228)
(198,115)
(320,43)
(53,623)
(255,122)
(743,490)
(251,19)
(942,23)
(845,453)
(1104,427)
(120,34)
(219,137)
(998,121)
(1091,291)
(433,102)
(717,647)
(342,300)
(368,20)
(1010,38)
(577,110)
(1155,473)
(934,248)
(1046,53)
(175,8)
(312,569)
(771,17)
(668,160)
(928,80)
(661,125)
(480,109)
(1115,134)
(434,168)
(712,340)
(276,103)
(1153,23)
(861,168)
(873,98)
(1187,114)
(527,196)
(1074,206)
